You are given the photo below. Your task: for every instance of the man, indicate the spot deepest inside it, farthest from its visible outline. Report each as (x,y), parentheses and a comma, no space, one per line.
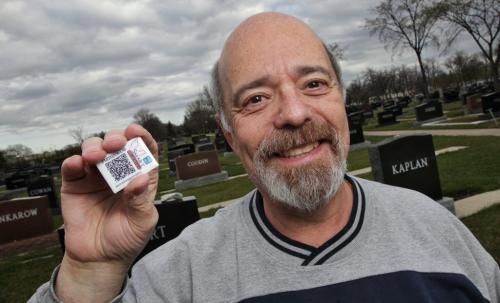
(309,233)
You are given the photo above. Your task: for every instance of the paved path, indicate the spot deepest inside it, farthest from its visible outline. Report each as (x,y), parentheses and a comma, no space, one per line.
(439,132)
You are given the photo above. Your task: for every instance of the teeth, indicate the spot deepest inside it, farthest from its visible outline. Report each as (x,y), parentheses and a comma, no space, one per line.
(294,152)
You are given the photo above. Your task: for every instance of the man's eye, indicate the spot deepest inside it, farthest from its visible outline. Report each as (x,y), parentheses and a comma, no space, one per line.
(315,84)
(255,99)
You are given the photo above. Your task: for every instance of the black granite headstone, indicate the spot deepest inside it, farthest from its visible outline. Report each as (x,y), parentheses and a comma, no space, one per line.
(368,114)
(199,139)
(407,161)
(356,117)
(173,218)
(43,186)
(386,117)
(388,103)
(205,147)
(179,150)
(396,109)
(356,133)
(429,110)
(491,101)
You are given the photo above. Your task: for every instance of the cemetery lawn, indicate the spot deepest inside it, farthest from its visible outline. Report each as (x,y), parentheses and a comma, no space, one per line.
(22,274)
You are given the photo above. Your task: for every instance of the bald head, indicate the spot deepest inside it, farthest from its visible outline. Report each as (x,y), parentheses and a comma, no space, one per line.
(261,38)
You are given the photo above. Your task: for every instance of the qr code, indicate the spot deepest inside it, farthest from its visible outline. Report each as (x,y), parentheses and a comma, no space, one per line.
(120,167)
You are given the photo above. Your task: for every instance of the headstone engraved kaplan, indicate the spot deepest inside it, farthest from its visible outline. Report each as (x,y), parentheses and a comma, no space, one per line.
(410,162)
(173,218)
(198,169)
(23,218)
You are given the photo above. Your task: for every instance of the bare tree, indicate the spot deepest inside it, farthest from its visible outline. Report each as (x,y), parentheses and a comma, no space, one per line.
(152,123)
(199,115)
(406,24)
(78,134)
(337,50)
(481,20)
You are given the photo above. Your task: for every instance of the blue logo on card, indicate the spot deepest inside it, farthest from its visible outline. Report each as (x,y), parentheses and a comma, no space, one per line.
(147,160)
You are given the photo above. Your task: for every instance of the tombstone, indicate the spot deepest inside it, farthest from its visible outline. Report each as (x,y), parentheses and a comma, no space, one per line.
(179,150)
(431,110)
(356,117)
(388,103)
(450,95)
(434,95)
(396,109)
(171,143)
(17,179)
(386,117)
(473,104)
(410,162)
(491,102)
(198,169)
(205,147)
(419,98)
(200,139)
(356,133)
(23,218)
(173,218)
(43,186)
(368,114)
(403,101)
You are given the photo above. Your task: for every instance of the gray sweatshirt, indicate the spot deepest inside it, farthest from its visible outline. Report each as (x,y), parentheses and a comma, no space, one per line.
(398,246)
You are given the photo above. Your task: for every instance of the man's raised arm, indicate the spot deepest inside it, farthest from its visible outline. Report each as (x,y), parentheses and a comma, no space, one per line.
(104,232)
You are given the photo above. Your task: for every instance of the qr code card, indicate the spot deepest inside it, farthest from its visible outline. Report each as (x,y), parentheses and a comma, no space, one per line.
(119,168)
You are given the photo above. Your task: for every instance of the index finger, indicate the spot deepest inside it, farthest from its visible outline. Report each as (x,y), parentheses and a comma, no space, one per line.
(135,130)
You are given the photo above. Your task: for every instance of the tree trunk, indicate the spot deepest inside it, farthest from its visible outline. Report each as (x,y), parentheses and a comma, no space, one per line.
(494,74)
(424,77)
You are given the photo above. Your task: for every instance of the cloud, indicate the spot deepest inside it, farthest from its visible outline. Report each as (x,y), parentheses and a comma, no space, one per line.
(95,63)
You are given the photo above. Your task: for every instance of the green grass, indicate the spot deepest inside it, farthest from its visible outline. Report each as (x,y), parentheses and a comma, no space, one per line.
(219,192)
(484,225)
(22,274)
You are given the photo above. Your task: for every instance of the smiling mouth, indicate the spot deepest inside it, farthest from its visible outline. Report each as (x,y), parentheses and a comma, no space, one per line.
(299,151)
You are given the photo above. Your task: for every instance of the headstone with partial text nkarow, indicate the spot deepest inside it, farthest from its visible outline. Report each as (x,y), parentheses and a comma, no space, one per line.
(491,102)
(173,218)
(386,117)
(431,110)
(43,186)
(407,161)
(23,218)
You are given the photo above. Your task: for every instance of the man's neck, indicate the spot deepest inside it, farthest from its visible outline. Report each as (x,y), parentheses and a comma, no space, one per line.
(313,228)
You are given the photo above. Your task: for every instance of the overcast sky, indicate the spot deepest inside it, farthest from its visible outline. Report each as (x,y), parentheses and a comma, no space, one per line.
(94,63)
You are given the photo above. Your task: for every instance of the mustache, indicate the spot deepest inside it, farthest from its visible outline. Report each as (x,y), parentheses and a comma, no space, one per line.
(280,140)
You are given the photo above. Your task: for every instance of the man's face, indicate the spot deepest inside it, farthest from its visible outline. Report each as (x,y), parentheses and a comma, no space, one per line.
(287,114)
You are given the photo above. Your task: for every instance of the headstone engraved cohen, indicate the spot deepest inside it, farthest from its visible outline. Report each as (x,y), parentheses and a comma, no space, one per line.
(23,218)
(198,169)
(410,162)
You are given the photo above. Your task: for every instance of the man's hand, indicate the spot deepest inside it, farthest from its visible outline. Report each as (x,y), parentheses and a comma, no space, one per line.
(104,232)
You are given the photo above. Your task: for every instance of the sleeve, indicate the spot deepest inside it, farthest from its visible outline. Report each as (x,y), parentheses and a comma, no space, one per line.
(46,292)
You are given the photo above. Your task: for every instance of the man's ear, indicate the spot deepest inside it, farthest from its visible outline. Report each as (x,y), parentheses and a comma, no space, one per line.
(227,134)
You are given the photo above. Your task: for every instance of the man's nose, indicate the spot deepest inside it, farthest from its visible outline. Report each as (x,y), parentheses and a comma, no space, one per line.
(293,111)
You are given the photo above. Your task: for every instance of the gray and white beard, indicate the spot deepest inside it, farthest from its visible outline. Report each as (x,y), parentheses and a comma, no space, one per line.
(306,188)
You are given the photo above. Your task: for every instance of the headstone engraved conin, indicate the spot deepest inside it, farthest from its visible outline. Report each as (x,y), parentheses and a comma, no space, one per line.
(23,218)
(410,162)
(198,169)
(43,186)
(173,218)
